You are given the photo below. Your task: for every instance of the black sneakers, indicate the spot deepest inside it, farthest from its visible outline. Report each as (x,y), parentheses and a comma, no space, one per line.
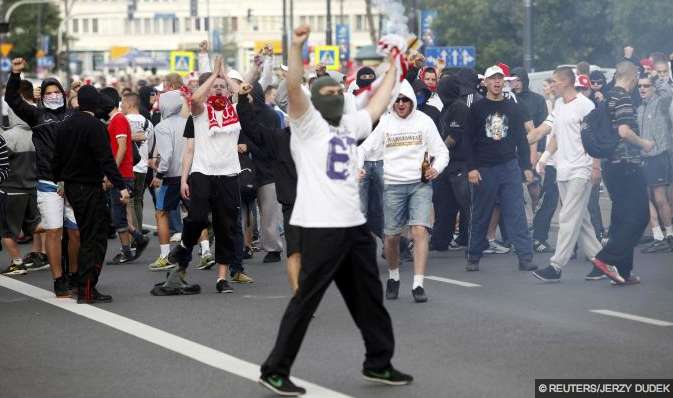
(93,297)
(595,275)
(179,255)
(281,385)
(140,244)
(419,295)
(61,287)
(222,286)
(120,258)
(542,247)
(472,266)
(390,376)
(392,289)
(548,274)
(272,257)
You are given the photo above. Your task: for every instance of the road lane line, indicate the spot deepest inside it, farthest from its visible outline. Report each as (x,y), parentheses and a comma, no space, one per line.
(631,317)
(187,348)
(451,281)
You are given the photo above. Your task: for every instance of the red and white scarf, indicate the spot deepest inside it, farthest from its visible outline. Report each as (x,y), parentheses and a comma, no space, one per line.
(222,116)
(388,44)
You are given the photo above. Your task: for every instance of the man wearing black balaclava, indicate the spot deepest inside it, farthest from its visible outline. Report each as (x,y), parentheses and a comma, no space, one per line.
(365,77)
(82,157)
(336,244)
(44,121)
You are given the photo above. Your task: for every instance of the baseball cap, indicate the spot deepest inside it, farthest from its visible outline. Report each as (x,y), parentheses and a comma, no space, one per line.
(233,74)
(493,70)
(583,82)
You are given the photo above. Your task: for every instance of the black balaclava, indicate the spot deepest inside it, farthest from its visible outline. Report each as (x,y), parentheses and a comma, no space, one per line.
(88,99)
(331,107)
(364,82)
(448,89)
(597,76)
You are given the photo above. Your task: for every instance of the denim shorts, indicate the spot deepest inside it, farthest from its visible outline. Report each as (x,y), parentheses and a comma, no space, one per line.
(406,204)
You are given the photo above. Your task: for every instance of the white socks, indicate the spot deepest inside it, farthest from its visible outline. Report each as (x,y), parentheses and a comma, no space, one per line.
(669,230)
(19,261)
(394,274)
(657,233)
(418,281)
(165,249)
(205,246)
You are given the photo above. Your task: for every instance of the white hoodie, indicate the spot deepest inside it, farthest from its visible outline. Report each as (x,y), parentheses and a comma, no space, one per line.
(404,142)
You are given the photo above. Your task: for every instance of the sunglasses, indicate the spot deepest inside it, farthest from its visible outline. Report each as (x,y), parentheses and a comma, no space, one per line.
(644,85)
(597,82)
(404,100)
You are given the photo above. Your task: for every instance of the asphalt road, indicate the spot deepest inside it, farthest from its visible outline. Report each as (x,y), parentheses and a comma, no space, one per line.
(489,340)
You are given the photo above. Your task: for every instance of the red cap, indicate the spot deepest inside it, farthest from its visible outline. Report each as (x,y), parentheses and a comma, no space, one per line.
(646,62)
(504,67)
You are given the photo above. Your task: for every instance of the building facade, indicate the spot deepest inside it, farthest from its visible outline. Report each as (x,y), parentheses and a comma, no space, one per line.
(100,30)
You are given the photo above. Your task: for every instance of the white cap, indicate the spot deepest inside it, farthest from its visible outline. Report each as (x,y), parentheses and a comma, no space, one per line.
(493,70)
(283,67)
(233,74)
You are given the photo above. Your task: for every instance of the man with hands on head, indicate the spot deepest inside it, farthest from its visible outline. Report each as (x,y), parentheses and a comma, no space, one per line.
(336,244)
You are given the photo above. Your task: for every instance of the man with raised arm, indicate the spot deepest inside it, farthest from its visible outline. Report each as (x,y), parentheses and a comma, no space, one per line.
(336,244)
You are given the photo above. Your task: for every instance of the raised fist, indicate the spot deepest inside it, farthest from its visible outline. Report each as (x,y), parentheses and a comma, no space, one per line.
(18,64)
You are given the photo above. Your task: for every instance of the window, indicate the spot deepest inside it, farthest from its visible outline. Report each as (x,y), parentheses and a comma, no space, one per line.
(188,24)
(85,25)
(147,25)
(136,26)
(127,26)
(206,24)
(359,22)
(302,20)
(234,24)
(75,25)
(94,25)
(156,26)
(198,24)
(321,23)
(311,22)
(176,25)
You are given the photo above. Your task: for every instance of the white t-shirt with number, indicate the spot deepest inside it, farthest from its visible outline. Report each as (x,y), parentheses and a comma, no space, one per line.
(326,160)
(570,159)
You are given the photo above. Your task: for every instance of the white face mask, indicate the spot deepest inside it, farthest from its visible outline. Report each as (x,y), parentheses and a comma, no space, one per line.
(53,101)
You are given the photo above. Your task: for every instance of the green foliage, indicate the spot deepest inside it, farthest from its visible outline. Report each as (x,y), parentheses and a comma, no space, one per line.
(24,29)
(564,31)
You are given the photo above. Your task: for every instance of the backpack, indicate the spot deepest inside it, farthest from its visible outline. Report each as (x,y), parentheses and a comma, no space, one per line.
(246,179)
(599,137)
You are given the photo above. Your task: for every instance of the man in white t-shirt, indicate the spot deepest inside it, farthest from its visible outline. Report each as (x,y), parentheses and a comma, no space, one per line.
(142,132)
(336,244)
(576,173)
(210,168)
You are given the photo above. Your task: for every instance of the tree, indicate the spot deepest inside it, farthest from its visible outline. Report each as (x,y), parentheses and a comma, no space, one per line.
(24,31)
(370,21)
(646,26)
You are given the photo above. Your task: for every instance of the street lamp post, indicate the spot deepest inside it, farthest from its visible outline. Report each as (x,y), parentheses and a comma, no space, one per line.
(328,30)
(528,35)
(285,32)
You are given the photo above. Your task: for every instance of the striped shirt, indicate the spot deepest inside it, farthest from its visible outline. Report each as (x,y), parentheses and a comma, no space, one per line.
(4,160)
(622,112)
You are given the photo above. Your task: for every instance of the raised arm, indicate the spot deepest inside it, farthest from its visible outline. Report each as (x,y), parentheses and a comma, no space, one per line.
(23,110)
(380,100)
(200,95)
(297,101)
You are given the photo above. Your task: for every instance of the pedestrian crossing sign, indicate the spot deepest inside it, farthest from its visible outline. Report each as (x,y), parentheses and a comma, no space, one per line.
(328,56)
(182,62)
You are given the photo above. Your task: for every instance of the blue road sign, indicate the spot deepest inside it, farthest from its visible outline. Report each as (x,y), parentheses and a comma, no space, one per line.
(463,56)
(46,62)
(5,64)
(343,40)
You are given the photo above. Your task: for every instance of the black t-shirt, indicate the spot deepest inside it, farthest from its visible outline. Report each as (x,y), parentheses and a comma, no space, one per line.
(496,134)
(189,128)
(622,112)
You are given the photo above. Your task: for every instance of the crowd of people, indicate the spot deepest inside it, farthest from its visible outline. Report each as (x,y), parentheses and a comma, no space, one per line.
(315,166)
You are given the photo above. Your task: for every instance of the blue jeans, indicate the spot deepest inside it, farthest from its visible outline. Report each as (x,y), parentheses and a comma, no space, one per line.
(371,196)
(406,204)
(501,182)
(118,209)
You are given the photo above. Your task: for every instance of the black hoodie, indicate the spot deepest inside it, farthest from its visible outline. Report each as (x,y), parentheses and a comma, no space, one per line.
(277,144)
(534,103)
(44,122)
(423,94)
(144,95)
(452,120)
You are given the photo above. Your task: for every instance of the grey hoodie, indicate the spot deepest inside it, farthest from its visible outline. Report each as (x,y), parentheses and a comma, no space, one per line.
(22,161)
(654,121)
(168,135)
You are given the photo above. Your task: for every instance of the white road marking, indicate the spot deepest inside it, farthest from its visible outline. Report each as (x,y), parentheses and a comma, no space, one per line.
(631,317)
(187,348)
(150,227)
(451,281)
